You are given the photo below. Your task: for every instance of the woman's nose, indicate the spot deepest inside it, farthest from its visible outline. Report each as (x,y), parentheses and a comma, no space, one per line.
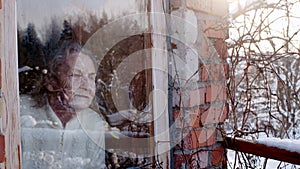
(87,81)
(84,80)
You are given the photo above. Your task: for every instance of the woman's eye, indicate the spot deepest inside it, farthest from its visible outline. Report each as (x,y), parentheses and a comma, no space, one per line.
(75,75)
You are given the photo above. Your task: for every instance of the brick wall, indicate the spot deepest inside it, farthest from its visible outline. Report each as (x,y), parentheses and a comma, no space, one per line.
(199,102)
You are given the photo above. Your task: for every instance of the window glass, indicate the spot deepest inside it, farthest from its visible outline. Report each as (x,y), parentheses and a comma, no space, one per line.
(84,84)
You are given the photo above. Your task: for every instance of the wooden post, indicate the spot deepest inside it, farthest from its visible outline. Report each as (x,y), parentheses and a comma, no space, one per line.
(10,118)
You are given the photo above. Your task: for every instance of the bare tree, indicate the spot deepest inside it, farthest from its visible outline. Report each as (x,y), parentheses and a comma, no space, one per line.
(264,83)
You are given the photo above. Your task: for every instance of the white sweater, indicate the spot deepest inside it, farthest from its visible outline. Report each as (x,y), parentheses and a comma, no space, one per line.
(46,144)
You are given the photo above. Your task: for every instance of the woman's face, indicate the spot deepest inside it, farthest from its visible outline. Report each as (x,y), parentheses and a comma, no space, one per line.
(77,79)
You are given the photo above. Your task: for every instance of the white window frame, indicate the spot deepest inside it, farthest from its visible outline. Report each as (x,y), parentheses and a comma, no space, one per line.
(9,101)
(160,82)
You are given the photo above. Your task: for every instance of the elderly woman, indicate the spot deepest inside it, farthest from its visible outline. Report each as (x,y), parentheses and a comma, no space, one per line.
(59,130)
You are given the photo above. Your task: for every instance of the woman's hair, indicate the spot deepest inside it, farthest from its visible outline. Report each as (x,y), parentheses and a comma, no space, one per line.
(66,48)
(59,58)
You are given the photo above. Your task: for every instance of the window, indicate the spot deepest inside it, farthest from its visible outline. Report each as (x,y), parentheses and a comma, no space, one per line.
(53,29)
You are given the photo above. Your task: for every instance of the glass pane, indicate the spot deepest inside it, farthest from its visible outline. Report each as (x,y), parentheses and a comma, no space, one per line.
(84,84)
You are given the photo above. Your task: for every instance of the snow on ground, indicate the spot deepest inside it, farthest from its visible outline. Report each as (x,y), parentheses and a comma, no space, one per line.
(271,164)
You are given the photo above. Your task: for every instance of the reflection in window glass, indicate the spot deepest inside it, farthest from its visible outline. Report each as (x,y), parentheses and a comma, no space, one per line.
(82,83)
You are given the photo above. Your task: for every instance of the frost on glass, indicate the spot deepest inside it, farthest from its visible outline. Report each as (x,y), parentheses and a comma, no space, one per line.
(56,64)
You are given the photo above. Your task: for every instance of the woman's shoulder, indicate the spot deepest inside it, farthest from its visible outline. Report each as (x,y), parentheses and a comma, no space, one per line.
(28,106)
(27,103)
(27,111)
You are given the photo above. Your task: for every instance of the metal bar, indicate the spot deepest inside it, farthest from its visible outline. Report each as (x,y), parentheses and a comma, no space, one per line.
(251,147)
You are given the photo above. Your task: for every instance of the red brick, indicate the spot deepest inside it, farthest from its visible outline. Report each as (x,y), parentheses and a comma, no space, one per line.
(197,97)
(200,138)
(210,50)
(199,160)
(218,156)
(181,159)
(221,48)
(2,148)
(178,118)
(213,7)
(226,70)
(212,115)
(206,49)
(204,73)
(217,72)
(220,7)
(175,4)
(203,5)
(215,29)
(213,72)
(215,93)
(211,33)
(176,114)
(195,120)
(178,101)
